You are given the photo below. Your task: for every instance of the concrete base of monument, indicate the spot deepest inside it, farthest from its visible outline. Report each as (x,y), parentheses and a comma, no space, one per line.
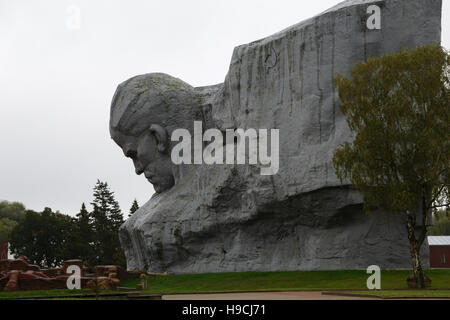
(323,230)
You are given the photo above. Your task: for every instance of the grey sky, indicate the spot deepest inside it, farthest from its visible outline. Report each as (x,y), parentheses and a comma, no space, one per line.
(57,84)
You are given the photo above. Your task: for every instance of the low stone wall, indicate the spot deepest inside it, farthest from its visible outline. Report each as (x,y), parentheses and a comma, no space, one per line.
(21,275)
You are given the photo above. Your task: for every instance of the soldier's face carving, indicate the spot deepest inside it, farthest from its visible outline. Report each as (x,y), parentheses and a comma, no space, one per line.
(144,111)
(150,156)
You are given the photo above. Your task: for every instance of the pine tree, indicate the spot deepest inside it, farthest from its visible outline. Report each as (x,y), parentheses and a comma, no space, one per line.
(134,208)
(107,219)
(84,218)
(115,216)
(83,237)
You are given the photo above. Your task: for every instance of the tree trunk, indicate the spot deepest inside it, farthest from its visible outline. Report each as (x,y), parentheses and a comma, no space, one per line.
(418,273)
(416,243)
(415,255)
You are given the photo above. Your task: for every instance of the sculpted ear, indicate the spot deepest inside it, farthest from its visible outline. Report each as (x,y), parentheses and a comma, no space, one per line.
(161,137)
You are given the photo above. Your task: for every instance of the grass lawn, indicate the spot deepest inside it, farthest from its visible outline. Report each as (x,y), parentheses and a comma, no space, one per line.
(39,293)
(54,294)
(268,281)
(284,281)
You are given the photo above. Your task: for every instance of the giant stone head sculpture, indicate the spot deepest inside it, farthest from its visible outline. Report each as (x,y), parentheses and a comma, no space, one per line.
(145,111)
(213,218)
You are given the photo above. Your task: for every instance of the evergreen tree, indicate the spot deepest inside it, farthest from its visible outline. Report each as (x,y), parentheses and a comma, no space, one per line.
(106,221)
(115,216)
(82,238)
(134,208)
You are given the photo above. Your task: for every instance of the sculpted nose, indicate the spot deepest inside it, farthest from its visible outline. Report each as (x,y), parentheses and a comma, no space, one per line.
(139,168)
(132,154)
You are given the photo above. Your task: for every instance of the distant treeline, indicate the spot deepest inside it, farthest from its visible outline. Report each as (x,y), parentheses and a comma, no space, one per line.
(48,238)
(441,224)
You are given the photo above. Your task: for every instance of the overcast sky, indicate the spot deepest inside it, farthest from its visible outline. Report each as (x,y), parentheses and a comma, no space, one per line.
(57,81)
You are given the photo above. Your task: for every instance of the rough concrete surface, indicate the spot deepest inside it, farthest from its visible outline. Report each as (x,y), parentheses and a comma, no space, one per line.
(229,218)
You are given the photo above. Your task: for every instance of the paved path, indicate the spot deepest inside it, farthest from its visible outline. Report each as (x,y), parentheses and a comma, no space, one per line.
(302,295)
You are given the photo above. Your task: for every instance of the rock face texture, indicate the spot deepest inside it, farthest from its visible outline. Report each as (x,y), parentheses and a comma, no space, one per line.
(230,218)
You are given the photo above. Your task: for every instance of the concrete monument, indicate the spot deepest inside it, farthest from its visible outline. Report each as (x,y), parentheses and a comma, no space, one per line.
(224,218)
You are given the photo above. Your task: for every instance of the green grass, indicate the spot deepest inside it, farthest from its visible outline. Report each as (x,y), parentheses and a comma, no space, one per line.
(284,281)
(40,293)
(265,281)
(48,293)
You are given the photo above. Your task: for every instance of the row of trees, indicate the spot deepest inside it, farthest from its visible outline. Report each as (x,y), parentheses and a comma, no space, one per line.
(10,215)
(441,223)
(47,238)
